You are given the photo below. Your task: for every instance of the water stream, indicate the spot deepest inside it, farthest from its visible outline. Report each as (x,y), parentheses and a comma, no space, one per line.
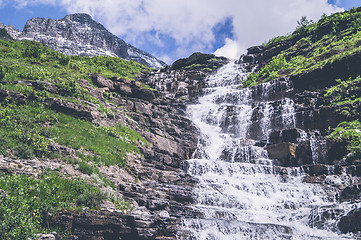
(240,194)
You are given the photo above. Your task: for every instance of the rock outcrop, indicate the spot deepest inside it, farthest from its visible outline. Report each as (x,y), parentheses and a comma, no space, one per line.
(185,79)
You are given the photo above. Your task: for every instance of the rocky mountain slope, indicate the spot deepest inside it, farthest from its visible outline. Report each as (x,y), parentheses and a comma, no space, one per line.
(98,148)
(79,34)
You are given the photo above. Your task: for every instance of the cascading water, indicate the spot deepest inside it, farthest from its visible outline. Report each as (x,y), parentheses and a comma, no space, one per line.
(240,195)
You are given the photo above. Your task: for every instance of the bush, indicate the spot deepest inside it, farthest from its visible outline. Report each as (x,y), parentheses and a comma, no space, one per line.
(2,72)
(33,50)
(350,132)
(267,73)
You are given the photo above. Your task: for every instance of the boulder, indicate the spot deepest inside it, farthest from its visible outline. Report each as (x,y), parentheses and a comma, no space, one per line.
(101,81)
(15,97)
(85,112)
(351,222)
(123,89)
(143,93)
(351,193)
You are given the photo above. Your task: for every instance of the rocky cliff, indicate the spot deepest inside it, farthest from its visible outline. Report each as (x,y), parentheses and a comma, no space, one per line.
(79,34)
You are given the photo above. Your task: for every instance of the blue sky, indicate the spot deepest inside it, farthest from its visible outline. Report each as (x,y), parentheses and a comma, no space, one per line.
(171,29)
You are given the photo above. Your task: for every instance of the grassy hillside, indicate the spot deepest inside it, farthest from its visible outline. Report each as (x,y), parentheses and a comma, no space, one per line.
(28,129)
(311,46)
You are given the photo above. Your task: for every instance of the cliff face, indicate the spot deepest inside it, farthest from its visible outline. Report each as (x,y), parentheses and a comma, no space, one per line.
(79,34)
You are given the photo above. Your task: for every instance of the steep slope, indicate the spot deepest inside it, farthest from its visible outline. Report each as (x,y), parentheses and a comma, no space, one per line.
(84,145)
(79,34)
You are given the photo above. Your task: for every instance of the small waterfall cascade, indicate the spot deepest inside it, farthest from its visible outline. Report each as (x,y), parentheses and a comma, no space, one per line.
(241,194)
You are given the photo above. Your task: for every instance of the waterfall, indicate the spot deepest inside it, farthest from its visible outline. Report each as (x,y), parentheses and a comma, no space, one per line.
(240,194)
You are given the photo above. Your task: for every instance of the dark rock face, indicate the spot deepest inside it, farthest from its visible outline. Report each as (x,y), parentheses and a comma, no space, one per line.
(199,61)
(326,76)
(79,34)
(351,222)
(113,225)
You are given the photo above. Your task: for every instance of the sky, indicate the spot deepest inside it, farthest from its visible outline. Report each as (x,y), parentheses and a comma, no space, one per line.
(173,29)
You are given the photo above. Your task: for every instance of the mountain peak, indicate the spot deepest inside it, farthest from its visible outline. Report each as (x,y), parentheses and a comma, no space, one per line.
(79,17)
(79,34)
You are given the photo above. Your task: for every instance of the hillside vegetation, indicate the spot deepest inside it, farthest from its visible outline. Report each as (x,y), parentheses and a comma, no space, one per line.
(311,46)
(29,128)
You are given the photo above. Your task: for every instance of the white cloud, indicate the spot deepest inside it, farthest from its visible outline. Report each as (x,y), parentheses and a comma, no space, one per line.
(231,49)
(190,22)
(165,58)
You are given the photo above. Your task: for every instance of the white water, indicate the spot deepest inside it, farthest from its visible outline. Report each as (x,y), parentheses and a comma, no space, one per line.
(239,195)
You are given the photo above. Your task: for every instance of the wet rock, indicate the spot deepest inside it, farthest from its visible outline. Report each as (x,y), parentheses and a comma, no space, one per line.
(284,152)
(316,169)
(351,222)
(314,179)
(324,217)
(337,149)
(351,193)
(304,153)
(287,135)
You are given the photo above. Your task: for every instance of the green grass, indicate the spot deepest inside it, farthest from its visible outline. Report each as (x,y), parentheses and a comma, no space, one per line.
(28,201)
(27,130)
(268,73)
(345,92)
(331,39)
(34,61)
(32,127)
